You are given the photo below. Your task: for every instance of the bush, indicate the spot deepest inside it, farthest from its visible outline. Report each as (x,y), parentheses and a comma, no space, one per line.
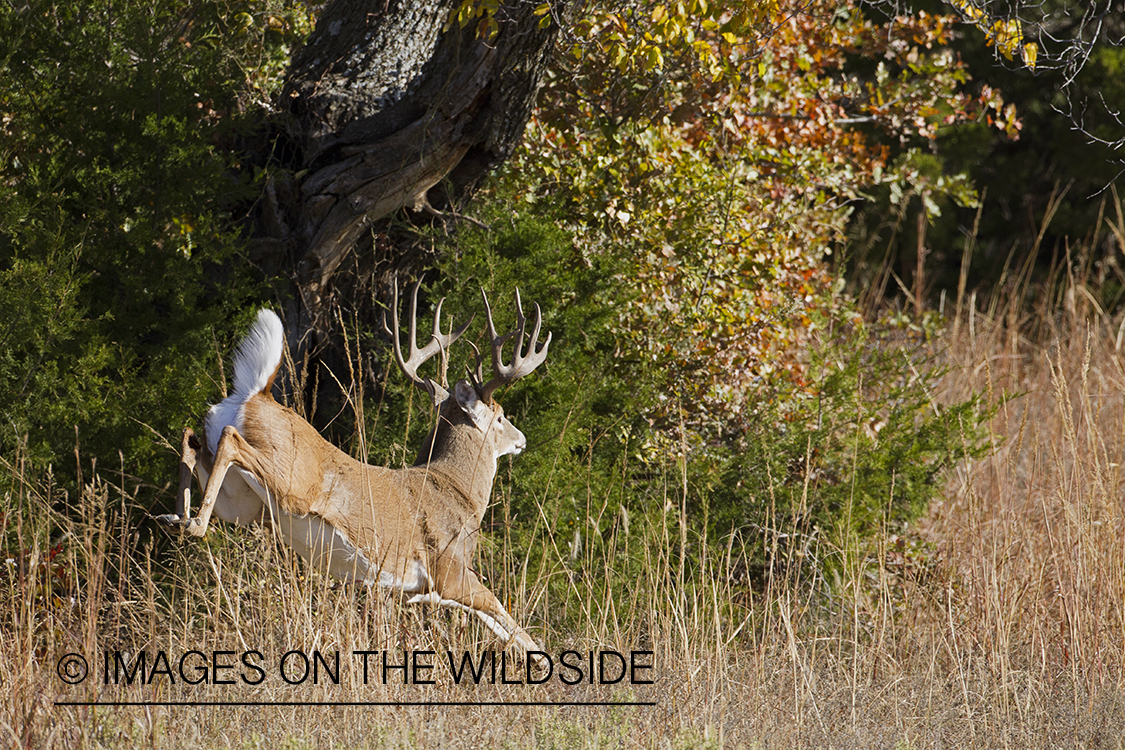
(863,449)
(118,267)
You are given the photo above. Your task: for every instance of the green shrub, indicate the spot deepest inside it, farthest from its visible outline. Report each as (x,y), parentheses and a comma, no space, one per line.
(865,447)
(119,281)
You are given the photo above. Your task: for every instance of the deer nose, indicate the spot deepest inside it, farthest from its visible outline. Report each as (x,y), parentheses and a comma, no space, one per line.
(519,443)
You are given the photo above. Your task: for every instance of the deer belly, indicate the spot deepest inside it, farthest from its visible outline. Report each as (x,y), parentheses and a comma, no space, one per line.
(329,549)
(325,547)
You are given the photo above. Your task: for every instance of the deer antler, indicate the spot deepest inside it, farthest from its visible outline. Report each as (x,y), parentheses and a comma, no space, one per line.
(439,342)
(523,360)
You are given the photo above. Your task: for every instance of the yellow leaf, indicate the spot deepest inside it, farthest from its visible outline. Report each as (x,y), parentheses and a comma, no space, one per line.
(464,14)
(617,54)
(1030,52)
(543,9)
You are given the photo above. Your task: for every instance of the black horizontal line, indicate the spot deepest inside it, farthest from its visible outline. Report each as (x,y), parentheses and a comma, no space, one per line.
(354,703)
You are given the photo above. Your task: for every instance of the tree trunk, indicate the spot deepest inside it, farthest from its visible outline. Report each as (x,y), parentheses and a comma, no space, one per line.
(386,108)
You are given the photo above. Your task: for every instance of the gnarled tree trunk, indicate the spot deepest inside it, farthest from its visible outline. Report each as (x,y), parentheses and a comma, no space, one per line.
(391,104)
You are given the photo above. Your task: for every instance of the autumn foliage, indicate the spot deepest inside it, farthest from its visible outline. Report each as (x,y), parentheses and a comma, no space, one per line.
(721,152)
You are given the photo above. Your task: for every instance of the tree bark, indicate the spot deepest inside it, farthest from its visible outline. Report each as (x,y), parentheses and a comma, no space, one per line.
(389,105)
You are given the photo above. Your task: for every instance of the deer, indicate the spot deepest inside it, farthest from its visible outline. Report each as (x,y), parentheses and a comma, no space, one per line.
(412,529)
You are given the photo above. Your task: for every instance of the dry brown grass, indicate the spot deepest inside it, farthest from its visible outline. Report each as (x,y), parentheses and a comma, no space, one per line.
(998,621)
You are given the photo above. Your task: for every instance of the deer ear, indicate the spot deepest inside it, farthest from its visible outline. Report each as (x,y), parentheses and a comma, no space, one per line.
(476,409)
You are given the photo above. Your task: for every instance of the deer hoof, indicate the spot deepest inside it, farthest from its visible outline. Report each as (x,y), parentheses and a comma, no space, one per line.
(191,526)
(171,520)
(537,658)
(195,527)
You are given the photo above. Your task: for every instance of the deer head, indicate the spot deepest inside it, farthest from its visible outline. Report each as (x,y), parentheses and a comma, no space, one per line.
(470,418)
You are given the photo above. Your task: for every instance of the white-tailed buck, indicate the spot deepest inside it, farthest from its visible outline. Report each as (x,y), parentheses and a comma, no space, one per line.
(412,529)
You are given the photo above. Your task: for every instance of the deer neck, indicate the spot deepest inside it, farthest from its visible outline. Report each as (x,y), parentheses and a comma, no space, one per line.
(461,455)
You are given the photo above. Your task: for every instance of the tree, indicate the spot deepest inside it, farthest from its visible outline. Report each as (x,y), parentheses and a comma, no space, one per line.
(723,154)
(391,105)
(702,177)
(1058,63)
(156,157)
(1062,37)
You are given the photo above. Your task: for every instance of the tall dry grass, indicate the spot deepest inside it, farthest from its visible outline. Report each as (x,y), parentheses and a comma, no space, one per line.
(997,621)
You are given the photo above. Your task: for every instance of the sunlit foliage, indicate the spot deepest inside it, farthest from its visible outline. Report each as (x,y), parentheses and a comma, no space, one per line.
(720,153)
(119,126)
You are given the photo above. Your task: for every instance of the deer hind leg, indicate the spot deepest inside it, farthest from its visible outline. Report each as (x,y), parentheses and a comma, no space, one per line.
(457,586)
(189,449)
(232,450)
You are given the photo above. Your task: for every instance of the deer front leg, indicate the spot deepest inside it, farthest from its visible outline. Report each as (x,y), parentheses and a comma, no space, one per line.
(456,585)
(189,445)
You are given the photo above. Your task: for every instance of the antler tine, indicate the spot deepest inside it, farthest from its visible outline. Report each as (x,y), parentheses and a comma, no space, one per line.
(476,377)
(438,341)
(524,361)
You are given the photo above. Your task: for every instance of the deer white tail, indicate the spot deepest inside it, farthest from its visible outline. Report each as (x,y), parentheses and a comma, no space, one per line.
(258,355)
(255,363)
